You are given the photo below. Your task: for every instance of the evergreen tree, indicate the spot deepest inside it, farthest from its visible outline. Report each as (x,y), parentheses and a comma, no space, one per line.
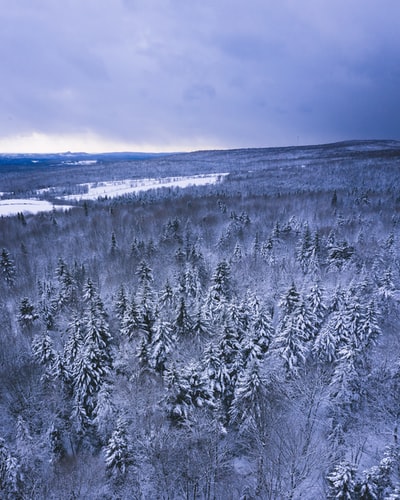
(291,346)
(326,343)
(305,248)
(215,370)
(263,330)
(295,329)
(7,267)
(43,350)
(76,334)
(341,482)
(201,327)
(104,411)
(289,301)
(237,255)
(130,324)
(315,301)
(187,389)
(9,473)
(67,287)
(89,374)
(27,314)
(248,408)
(182,323)
(118,452)
(220,291)
(121,303)
(161,346)
(96,325)
(167,296)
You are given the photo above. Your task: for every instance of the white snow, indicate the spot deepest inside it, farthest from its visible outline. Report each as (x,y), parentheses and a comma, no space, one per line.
(112,189)
(81,162)
(27,206)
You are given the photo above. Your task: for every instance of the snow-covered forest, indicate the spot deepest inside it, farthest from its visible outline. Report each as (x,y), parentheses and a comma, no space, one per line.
(230,341)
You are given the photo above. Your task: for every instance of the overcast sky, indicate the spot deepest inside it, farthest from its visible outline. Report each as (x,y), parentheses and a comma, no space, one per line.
(169,75)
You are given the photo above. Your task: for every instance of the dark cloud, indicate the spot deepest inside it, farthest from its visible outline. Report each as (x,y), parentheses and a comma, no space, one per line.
(173,74)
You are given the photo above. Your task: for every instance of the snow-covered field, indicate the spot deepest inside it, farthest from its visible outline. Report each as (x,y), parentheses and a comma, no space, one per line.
(27,206)
(111,189)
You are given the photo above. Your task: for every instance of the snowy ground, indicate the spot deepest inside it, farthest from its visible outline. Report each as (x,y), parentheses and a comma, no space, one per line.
(26,206)
(112,189)
(103,189)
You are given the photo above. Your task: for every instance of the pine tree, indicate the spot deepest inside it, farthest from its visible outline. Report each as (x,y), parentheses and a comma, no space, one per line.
(326,344)
(201,327)
(114,244)
(295,329)
(27,314)
(263,330)
(305,248)
(315,301)
(216,371)
(130,324)
(182,323)
(161,346)
(7,267)
(289,301)
(96,325)
(187,389)
(291,346)
(248,409)
(118,452)
(220,291)
(67,287)
(43,350)
(76,334)
(121,303)
(89,374)
(9,473)
(237,255)
(167,296)
(341,482)
(104,411)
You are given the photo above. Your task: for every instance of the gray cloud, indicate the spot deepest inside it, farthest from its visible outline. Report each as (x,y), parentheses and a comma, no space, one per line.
(170,72)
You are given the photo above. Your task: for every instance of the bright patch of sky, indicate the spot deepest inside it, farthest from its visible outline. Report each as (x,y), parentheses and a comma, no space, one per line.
(172,75)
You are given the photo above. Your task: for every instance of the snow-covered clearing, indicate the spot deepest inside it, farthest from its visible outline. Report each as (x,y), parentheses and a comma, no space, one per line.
(27,206)
(111,189)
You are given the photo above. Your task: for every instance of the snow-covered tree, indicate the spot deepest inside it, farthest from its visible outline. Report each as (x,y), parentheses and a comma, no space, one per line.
(248,408)
(342,481)
(96,324)
(88,376)
(220,290)
(187,389)
(161,345)
(118,451)
(130,323)
(43,349)
(182,324)
(7,267)
(9,473)
(104,411)
(27,314)
(121,303)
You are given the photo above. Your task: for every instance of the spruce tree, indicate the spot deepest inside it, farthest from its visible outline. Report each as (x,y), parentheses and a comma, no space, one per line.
(118,451)
(10,480)
(248,408)
(342,481)
(7,267)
